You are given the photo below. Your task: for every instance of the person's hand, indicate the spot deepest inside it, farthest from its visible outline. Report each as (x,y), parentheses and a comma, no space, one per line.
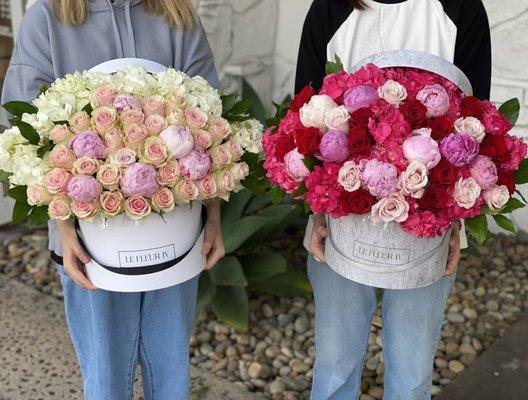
(74,256)
(318,238)
(213,247)
(454,251)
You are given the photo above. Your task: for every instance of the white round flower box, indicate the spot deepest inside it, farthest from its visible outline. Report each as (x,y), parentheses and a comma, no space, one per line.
(6,208)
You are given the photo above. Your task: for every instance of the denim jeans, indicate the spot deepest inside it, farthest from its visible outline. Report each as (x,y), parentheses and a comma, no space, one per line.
(112,332)
(412,320)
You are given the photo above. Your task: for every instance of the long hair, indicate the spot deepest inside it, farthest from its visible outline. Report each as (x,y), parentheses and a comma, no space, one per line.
(357,4)
(177,13)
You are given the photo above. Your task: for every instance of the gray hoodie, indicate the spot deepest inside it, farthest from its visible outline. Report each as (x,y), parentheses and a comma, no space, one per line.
(47,49)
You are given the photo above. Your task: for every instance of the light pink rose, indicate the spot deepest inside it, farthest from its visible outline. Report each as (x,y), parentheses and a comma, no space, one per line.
(163,200)
(169,173)
(350,176)
(179,140)
(185,191)
(59,208)
(80,122)
(111,203)
(467,191)
(176,117)
(61,134)
(155,124)
(104,119)
(113,141)
(391,208)
(62,157)
(38,195)
(125,157)
(420,147)
(57,180)
(239,171)
(414,180)
(207,187)
(84,189)
(313,113)
(221,155)
(219,129)
(135,134)
(104,95)
(85,166)
(236,150)
(154,105)
(224,183)
(202,139)
(109,176)
(336,119)
(153,151)
(137,207)
(393,92)
(435,98)
(176,100)
(196,117)
(125,102)
(496,197)
(295,167)
(85,211)
(132,116)
(471,126)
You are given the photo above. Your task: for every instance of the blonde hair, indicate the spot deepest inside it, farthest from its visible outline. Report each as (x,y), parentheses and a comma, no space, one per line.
(178,13)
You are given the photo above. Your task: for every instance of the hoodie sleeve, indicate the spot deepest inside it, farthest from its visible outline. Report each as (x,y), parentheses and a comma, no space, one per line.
(197,57)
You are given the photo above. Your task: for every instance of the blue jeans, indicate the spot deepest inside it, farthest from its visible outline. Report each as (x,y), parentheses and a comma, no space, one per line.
(112,331)
(412,320)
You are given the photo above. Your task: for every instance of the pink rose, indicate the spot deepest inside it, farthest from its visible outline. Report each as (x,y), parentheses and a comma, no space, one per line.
(125,157)
(137,207)
(350,176)
(294,164)
(336,119)
(472,127)
(61,134)
(196,117)
(84,211)
(239,171)
(111,203)
(109,176)
(414,180)
(62,157)
(85,166)
(38,195)
(59,208)
(125,102)
(113,141)
(139,180)
(176,100)
(163,200)
(393,92)
(104,95)
(178,139)
(484,171)
(496,197)
(80,122)
(221,155)
(422,148)
(88,144)
(380,178)
(196,165)
(467,191)
(203,139)
(57,180)
(334,146)
(176,117)
(153,151)
(219,129)
(186,191)
(391,208)
(313,113)
(236,150)
(224,183)
(169,173)
(84,189)
(132,116)
(154,105)
(135,134)
(104,118)
(435,98)
(207,187)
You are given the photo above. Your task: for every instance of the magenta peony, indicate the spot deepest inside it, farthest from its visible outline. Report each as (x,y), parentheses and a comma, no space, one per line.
(436,99)
(359,97)
(484,171)
(84,189)
(88,144)
(380,178)
(334,146)
(459,149)
(293,161)
(139,180)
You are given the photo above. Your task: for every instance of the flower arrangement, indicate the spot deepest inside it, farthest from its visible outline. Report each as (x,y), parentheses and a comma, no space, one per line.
(402,145)
(129,142)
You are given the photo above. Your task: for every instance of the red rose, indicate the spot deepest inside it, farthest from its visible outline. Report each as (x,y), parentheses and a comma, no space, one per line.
(302,98)
(283,146)
(415,113)
(441,127)
(495,147)
(307,140)
(361,117)
(360,141)
(444,173)
(507,178)
(434,198)
(471,107)
(358,202)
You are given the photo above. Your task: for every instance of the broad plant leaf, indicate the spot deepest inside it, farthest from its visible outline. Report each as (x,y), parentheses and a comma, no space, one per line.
(521,176)
(512,205)
(19,193)
(241,231)
(38,217)
(257,109)
(233,210)
(231,305)
(289,283)
(20,212)
(206,290)
(27,131)
(20,108)
(505,223)
(478,227)
(262,265)
(511,110)
(334,67)
(228,272)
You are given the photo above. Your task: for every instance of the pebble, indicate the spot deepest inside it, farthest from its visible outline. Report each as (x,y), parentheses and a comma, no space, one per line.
(456,366)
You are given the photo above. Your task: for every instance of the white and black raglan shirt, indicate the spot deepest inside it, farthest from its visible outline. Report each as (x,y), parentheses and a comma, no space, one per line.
(456,30)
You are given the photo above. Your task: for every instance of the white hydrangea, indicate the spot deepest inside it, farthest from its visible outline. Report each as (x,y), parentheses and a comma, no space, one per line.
(41,121)
(170,81)
(248,135)
(59,106)
(75,84)
(9,140)
(27,168)
(135,80)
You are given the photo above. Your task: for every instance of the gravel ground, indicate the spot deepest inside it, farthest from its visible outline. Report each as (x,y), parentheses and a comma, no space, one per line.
(276,355)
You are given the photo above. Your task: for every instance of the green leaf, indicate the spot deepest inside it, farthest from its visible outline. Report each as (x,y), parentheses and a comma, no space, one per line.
(472,251)
(67,123)
(521,176)
(206,290)
(28,132)
(4,176)
(277,195)
(272,122)
(19,108)
(289,283)
(237,118)
(311,162)
(512,205)
(19,193)
(242,230)
(228,102)
(233,210)
(43,89)
(231,305)
(43,150)
(478,227)
(521,196)
(228,272)
(334,67)
(301,190)
(280,217)
(511,110)
(258,266)
(20,212)
(504,222)
(88,109)
(256,204)
(241,107)
(257,109)
(38,217)
(255,185)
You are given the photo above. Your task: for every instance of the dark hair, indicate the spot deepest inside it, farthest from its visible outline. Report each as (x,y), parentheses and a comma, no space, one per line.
(357,4)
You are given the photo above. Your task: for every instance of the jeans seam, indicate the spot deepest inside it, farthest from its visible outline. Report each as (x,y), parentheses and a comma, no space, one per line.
(149,367)
(365,348)
(132,366)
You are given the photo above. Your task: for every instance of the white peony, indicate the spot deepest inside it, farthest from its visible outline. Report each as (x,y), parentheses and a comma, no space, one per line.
(313,113)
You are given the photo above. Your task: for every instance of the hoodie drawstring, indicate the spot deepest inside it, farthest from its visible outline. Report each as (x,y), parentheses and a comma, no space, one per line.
(130,30)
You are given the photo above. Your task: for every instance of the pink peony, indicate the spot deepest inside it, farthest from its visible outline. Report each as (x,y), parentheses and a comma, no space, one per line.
(84,189)
(436,99)
(459,149)
(422,148)
(359,97)
(197,164)
(381,179)
(334,146)
(179,140)
(88,144)
(139,180)
(484,171)
(125,102)
(293,162)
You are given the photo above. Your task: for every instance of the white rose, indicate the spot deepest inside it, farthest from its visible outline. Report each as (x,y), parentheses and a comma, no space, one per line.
(391,208)
(349,176)
(393,92)
(337,119)
(313,113)
(472,127)
(467,191)
(413,180)
(496,197)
